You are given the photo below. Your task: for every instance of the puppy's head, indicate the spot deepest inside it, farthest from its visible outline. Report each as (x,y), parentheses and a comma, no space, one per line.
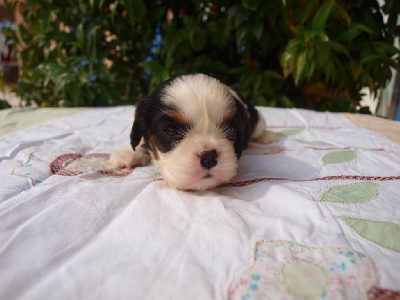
(193,126)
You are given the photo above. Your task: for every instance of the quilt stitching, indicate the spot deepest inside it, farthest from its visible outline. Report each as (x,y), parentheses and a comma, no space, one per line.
(326,178)
(64,165)
(75,160)
(285,269)
(377,293)
(338,157)
(384,234)
(360,192)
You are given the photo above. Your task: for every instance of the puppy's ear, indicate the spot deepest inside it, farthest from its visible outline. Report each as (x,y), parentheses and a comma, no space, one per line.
(140,122)
(246,118)
(239,144)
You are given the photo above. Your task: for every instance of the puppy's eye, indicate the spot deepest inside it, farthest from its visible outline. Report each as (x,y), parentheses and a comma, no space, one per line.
(230,130)
(171,130)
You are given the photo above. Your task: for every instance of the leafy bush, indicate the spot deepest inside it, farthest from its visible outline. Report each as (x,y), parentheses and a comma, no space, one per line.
(313,54)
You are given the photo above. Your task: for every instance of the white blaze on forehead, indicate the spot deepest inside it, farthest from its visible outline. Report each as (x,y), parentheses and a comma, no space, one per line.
(202,99)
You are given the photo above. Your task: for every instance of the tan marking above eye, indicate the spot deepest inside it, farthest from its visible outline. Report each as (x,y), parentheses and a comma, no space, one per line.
(229,115)
(178,117)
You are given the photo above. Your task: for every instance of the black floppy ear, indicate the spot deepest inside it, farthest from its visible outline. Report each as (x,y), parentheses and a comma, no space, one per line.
(239,144)
(139,124)
(239,122)
(146,109)
(247,118)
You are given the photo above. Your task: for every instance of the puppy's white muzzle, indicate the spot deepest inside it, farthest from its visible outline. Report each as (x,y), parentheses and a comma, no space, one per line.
(199,162)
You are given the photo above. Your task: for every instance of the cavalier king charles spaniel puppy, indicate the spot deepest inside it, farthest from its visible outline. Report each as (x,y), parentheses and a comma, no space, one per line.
(193,128)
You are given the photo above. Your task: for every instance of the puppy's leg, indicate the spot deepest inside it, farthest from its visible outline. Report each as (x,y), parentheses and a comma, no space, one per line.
(261,135)
(127,158)
(267,137)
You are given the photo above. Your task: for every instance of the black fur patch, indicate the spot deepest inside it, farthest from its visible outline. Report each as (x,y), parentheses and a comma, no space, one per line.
(168,132)
(245,121)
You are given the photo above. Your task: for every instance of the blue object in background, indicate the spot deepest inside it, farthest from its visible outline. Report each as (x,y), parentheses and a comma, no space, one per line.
(398,111)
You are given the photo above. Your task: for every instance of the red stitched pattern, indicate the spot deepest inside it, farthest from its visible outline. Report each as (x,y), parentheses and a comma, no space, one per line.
(376,293)
(57,167)
(304,127)
(338,148)
(342,177)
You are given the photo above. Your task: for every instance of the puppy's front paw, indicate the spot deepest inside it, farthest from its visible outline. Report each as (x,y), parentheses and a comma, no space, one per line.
(267,137)
(128,159)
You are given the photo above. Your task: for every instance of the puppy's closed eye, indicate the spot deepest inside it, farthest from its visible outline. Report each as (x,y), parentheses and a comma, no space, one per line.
(169,134)
(172,130)
(230,131)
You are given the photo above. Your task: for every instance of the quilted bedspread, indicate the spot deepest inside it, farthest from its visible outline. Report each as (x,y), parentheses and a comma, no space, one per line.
(320,220)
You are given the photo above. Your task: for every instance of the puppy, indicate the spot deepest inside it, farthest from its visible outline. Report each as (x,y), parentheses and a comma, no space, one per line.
(194,129)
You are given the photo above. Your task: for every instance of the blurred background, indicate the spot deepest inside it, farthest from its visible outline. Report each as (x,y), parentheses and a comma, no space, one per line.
(340,56)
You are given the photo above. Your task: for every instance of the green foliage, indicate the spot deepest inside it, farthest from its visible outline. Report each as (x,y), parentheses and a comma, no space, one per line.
(4,104)
(315,54)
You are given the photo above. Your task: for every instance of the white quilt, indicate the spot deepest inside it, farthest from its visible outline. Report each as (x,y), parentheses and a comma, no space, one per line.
(320,220)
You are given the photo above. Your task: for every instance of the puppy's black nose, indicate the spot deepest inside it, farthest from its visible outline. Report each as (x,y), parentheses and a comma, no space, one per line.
(208,159)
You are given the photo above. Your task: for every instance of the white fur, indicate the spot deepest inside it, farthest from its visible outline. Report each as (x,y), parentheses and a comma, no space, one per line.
(203,101)
(127,158)
(181,169)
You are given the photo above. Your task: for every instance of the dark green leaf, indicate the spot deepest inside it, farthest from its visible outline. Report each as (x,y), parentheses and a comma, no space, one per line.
(241,35)
(93,54)
(322,15)
(197,38)
(257,83)
(258,31)
(113,11)
(74,92)
(310,5)
(250,4)
(286,62)
(384,48)
(189,21)
(101,3)
(270,74)
(237,70)
(259,100)
(219,65)
(152,66)
(139,10)
(349,35)
(371,58)
(59,85)
(343,13)
(238,13)
(362,28)
(79,34)
(301,61)
(201,62)
(336,46)
(294,44)
(286,102)
(23,86)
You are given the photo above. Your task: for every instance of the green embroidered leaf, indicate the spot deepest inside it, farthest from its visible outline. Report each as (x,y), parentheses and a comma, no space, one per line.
(314,143)
(360,192)
(288,132)
(384,234)
(338,157)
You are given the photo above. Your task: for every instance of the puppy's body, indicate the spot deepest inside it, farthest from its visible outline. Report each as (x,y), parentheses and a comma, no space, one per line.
(194,129)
